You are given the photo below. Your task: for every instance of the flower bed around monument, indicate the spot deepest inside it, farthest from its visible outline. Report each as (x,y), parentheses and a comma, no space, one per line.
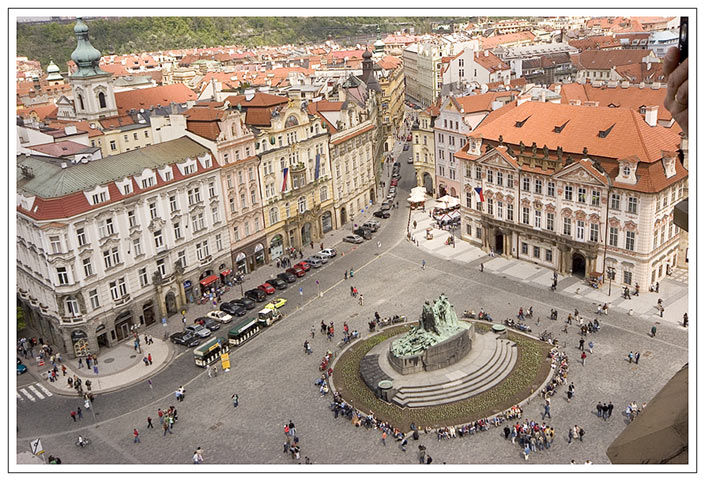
(530,371)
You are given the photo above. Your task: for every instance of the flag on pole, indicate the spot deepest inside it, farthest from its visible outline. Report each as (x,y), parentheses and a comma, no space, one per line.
(318,166)
(478,190)
(286,174)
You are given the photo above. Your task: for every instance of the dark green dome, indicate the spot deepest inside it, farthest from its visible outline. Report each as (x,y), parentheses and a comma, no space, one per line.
(86,55)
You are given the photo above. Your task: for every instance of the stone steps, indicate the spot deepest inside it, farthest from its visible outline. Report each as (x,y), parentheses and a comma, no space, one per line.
(490,374)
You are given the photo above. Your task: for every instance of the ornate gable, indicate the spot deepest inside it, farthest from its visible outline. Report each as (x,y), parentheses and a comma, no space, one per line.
(577,173)
(495,159)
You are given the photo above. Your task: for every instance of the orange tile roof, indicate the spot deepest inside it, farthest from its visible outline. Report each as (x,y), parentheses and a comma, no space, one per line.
(260,99)
(495,114)
(606,59)
(355,134)
(492,42)
(118,70)
(81,126)
(631,97)
(153,96)
(202,119)
(490,62)
(389,63)
(41,111)
(116,121)
(597,42)
(629,134)
(478,103)
(638,72)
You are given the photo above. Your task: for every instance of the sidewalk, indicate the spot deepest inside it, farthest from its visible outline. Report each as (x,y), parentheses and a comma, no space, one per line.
(673,289)
(118,367)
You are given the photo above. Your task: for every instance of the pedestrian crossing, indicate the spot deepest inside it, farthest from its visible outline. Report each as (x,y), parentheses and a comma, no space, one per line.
(33,392)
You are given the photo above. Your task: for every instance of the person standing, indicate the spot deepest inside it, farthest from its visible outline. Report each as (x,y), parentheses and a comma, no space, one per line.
(685,320)
(583,356)
(571,391)
(384,437)
(73,415)
(197,459)
(361,299)
(423,264)
(79,412)
(546,410)
(581,432)
(160,413)
(610,407)
(581,344)
(236,400)
(653,331)
(636,357)
(590,346)
(149,358)
(136,434)
(630,356)
(599,409)
(482,267)
(149,423)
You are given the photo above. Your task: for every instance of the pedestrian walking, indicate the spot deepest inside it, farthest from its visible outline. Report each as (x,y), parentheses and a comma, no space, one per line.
(80,363)
(73,415)
(63,370)
(136,434)
(145,361)
(581,344)
(636,357)
(167,427)
(361,299)
(571,391)
(653,331)
(79,412)
(423,264)
(482,267)
(590,346)
(149,423)
(546,411)
(384,438)
(346,275)
(236,400)
(610,406)
(630,356)
(599,409)
(197,459)
(160,413)
(149,358)
(571,435)
(583,356)
(685,320)
(581,432)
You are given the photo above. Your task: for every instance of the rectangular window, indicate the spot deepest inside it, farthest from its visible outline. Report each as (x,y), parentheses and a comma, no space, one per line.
(99,198)
(537,252)
(81,236)
(172,203)
(158,240)
(152,210)
(568,192)
(177,230)
(628,278)
(236,233)
(614,236)
(537,219)
(549,255)
(582,195)
(107,260)
(549,220)
(500,178)
(478,232)
(131,220)
(55,242)
(137,244)
(510,181)
(524,248)
(490,176)
(490,206)
(510,212)
(478,172)
(148,182)
(87,267)
(181,258)
(580,230)
(142,275)
(538,186)
(93,296)
(218,242)
(116,255)
(500,209)
(112,145)
(595,200)
(567,223)
(114,292)
(215,214)
(551,189)
(629,240)
(594,233)
(62,275)
(631,207)
(161,267)
(525,215)
(615,201)
(211,190)
(468,199)
(253,197)
(525,183)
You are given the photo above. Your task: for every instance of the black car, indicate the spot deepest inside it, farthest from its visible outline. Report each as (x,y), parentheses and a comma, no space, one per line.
(233,309)
(363,232)
(185,338)
(208,323)
(277,283)
(287,277)
(246,302)
(383,214)
(256,295)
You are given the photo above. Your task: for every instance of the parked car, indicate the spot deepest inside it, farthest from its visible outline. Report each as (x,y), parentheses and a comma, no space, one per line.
(396,175)
(276,303)
(256,295)
(373,225)
(227,311)
(355,239)
(323,259)
(297,270)
(410,160)
(393,182)
(397,164)
(185,338)
(363,232)
(328,253)
(386,205)
(406,147)
(277,283)
(210,323)
(382,214)
(304,265)
(245,302)
(391,196)
(315,263)
(287,277)
(21,368)
(198,330)
(266,288)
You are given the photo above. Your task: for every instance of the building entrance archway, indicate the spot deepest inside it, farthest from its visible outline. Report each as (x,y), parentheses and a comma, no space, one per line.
(578,265)
(170,301)
(428,183)
(499,243)
(306,234)
(343,216)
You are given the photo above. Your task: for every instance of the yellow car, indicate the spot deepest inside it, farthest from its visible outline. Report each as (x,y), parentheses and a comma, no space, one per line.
(276,303)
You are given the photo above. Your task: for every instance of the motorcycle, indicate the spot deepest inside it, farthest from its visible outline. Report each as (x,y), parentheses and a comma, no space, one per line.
(484,316)
(510,323)
(469,314)
(523,327)
(82,441)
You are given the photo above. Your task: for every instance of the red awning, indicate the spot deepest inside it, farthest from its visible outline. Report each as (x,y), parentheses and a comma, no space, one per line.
(209,280)
(226,272)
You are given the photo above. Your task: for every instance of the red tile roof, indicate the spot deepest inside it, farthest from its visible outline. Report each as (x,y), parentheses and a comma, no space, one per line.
(354,134)
(202,119)
(59,149)
(478,103)
(389,62)
(41,111)
(596,43)
(153,96)
(490,61)
(492,42)
(631,97)
(606,59)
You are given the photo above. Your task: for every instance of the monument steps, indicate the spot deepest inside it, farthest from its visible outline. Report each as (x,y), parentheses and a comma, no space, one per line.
(490,374)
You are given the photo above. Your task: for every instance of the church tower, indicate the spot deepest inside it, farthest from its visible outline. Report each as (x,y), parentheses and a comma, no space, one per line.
(92,87)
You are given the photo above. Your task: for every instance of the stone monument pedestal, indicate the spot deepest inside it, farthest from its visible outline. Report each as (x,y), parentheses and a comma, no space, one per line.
(437,356)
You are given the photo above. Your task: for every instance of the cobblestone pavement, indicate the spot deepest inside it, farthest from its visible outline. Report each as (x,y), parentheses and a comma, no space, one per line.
(274,378)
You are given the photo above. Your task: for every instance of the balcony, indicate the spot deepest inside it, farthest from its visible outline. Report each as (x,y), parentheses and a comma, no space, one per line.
(123,300)
(72,320)
(206,260)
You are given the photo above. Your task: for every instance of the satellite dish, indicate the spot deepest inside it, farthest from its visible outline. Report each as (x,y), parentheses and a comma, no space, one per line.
(483,88)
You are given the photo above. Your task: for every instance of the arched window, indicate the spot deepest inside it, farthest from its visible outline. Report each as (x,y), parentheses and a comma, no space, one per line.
(302,205)
(101,100)
(72,307)
(80,102)
(273,215)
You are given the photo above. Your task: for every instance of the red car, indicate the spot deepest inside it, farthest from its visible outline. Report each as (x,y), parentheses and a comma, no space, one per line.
(393,182)
(266,288)
(297,271)
(303,265)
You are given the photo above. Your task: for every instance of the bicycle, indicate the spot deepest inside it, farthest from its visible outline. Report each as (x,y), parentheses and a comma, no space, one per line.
(82,441)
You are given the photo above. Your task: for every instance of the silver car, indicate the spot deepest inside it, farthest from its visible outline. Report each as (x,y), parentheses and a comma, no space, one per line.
(314,262)
(199,330)
(355,239)
(320,257)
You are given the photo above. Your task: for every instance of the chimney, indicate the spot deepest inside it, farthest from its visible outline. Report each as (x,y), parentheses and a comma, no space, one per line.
(543,95)
(651,116)
(249,94)
(70,130)
(487,53)
(591,103)
(557,89)
(642,85)
(625,84)
(63,165)
(523,98)
(574,102)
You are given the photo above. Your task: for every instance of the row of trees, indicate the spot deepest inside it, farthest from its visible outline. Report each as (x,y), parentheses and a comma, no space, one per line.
(121,35)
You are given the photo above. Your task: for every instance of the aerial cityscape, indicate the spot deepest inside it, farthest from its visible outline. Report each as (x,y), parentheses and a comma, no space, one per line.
(351,241)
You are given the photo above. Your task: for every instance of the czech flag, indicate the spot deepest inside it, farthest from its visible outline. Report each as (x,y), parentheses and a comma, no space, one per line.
(286,175)
(478,190)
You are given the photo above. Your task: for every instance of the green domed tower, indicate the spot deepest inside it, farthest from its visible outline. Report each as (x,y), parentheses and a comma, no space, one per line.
(54,74)
(92,87)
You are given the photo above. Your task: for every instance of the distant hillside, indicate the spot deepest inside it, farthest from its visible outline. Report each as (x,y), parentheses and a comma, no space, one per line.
(40,41)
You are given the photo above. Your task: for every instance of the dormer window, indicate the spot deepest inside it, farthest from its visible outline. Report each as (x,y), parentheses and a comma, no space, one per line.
(626,171)
(558,128)
(604,133)
(520,123)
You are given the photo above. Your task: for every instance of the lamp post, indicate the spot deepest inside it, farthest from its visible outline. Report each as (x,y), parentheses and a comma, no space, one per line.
(610,273)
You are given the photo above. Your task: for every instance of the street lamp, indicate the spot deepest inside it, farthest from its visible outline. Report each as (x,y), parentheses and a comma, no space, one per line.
(610,273)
